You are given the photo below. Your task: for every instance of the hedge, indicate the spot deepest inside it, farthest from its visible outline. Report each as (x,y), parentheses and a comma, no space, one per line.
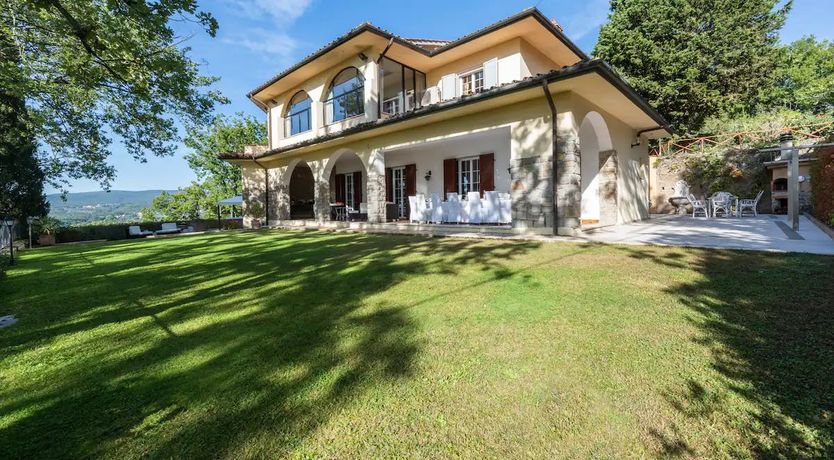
(822,185)
(118,231)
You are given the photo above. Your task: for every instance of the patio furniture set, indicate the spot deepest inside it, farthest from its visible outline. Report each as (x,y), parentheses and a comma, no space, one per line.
(724,203)
(493,208)
(168,228)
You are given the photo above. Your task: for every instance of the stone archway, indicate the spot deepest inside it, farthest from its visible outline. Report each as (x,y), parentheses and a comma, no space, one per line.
(301,191)
(598,172)
(345,177)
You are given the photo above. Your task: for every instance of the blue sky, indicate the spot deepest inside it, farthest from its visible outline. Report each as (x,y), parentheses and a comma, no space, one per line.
(259,38)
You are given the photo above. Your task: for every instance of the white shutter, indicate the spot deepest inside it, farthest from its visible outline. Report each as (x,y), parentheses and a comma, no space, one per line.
(491,73)
(449,87)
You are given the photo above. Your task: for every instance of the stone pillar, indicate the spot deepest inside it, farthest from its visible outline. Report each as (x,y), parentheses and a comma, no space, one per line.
(282,198)
(608,172)
(375,188)
(532,192)
(321,192)
(568,185)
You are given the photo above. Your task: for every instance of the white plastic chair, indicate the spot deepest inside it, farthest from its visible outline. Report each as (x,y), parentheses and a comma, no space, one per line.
(453,208)
(436,209)
(698,205)
(473,207)
(490,208)
(413,210)
(505,210)
(750,204)
(423,209)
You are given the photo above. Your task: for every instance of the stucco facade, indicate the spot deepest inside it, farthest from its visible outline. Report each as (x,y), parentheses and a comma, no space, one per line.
(593,172)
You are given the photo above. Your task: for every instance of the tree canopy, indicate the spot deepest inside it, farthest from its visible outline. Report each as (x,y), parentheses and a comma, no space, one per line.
(805,77)
(91,71)
(693,59)
(21,177)
(217,179)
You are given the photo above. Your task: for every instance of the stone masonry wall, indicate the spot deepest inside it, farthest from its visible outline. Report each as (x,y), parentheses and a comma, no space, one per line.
(532,192)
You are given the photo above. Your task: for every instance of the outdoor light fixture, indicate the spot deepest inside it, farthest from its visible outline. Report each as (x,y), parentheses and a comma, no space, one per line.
(363,57)
(428,174)
(636,142)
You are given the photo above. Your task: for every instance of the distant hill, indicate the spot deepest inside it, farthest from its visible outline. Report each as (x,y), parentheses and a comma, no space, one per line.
(114,206)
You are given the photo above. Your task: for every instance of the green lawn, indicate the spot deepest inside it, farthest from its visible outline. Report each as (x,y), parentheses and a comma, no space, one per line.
(342,345)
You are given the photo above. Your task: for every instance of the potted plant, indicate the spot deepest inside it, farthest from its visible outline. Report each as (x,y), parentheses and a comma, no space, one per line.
(47,227)
(256,212)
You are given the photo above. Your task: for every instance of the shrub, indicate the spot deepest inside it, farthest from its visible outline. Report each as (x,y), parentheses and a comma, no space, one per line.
(822,185)
(117,231)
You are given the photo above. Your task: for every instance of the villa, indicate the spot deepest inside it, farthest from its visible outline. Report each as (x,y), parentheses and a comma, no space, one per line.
(510,126)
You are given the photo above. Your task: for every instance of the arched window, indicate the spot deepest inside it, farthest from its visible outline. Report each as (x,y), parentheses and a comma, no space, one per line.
(346,97)
(298,114)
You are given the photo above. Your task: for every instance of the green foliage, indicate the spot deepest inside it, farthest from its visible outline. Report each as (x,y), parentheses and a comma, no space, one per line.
(185,204)
(822,185)
(48,225)
(740,172)
(116,231)
(219,179)
(764,127)
(693,59)
(256,210)
(21,177)
(805,77)
(93,70)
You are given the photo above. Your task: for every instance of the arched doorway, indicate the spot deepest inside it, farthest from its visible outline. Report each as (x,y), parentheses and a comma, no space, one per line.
(593,139)
(302,192)
(347,178)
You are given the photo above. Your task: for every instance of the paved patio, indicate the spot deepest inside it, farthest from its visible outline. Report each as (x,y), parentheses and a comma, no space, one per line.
(764,233)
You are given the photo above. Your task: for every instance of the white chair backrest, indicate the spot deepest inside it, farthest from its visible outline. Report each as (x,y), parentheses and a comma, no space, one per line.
(435,200)
(169,226)
(134,230)
(363,208)
(474,197)
(412,203)
(693,200)
(451,196)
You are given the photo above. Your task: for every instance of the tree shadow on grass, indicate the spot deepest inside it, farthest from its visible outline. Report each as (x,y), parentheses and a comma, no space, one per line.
(768,323)
(213,346)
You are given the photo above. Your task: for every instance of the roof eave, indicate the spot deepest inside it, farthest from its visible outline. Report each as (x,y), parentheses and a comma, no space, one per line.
(368,27)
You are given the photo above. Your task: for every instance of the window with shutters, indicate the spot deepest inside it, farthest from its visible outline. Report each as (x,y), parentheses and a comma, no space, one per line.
(469,176)
(472,82)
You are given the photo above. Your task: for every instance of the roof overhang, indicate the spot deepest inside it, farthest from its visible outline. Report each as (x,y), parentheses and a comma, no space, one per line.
(592,80)
(530,24)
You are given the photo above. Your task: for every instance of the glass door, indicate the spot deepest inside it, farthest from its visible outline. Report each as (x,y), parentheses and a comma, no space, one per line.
(470,177)
(399,190)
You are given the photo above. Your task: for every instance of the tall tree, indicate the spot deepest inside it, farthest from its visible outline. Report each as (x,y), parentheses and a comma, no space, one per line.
(693,59)
(96,70)
(21,177)
(218,179)
(805,78)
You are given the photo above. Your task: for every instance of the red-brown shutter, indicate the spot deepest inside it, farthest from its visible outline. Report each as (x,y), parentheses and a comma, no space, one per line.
(410,180)
(357,189)
(450,176)
(389,185)
(340,188)
(486,164)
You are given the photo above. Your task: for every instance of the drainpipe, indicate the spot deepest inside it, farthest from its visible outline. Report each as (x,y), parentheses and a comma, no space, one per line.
(266,187)
(554,128)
